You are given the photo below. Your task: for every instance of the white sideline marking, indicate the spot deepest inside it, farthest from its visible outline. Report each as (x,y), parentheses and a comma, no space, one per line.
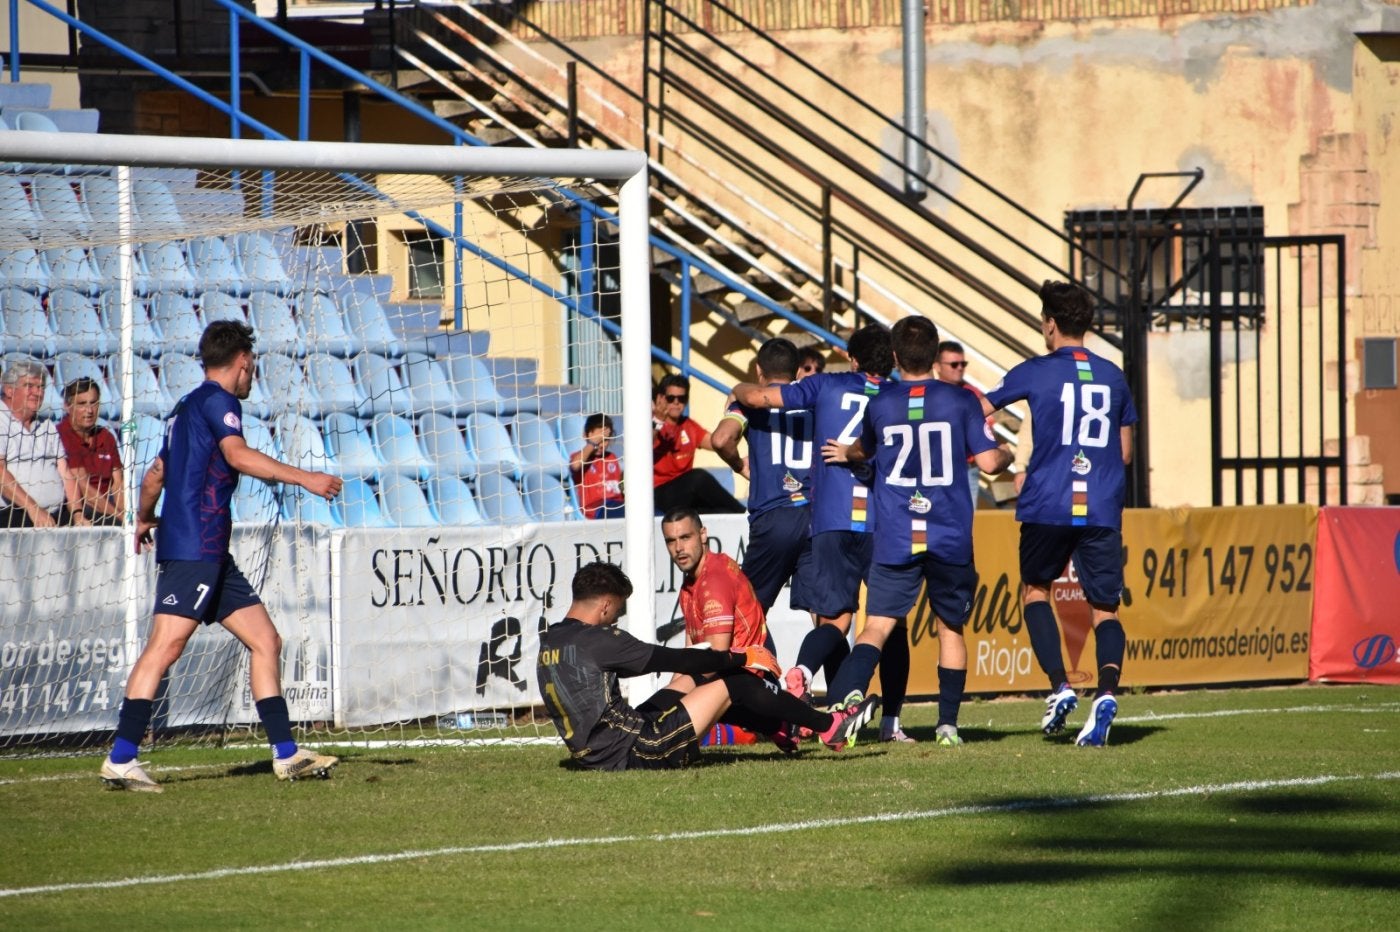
(1243,786)
(1223,713)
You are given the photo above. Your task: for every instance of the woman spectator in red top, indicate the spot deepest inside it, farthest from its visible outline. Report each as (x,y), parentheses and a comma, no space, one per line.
(92,453)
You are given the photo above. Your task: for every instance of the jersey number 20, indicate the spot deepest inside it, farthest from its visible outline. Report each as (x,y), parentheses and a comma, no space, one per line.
(932,453)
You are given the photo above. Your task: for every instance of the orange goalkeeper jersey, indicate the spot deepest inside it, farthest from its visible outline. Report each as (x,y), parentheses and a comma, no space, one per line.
(720,600)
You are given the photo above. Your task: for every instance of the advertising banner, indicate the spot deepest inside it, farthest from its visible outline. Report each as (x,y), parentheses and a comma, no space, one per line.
(1219,595)
(1356,612)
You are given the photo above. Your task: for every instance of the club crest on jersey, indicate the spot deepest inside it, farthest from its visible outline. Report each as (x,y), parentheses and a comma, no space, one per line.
(919,504)
(1080,465)
(791,484)
(232,422)
(713,607)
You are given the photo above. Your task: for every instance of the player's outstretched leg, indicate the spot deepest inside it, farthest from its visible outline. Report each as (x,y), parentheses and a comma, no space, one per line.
(846,722)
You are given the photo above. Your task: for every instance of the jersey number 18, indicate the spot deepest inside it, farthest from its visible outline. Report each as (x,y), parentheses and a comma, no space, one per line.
(1094,402)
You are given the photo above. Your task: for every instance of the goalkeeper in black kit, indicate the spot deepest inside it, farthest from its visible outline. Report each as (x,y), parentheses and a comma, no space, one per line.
(581,658)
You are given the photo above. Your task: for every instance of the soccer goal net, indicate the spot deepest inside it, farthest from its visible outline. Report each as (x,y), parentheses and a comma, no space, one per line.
(435,325)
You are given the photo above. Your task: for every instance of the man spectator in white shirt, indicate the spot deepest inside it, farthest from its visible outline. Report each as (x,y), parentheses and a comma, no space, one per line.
(36,487)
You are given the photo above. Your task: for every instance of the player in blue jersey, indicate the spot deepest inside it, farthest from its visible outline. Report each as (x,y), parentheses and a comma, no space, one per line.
(197,581)
(842,539)
(778,468)
(1072,502)
(918,433)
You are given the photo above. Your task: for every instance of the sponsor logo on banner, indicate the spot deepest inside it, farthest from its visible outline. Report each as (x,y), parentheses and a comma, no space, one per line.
(1375,651)
(1076,619)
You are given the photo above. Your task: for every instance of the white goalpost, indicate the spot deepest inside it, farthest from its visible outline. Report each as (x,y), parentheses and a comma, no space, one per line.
(433,323)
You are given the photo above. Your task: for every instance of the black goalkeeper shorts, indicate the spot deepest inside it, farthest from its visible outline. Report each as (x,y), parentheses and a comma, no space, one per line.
(667,741)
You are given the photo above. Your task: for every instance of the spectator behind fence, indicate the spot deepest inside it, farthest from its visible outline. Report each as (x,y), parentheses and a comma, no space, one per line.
(675,439)
(809,362)
(597,471)
(93,455)
(36,487)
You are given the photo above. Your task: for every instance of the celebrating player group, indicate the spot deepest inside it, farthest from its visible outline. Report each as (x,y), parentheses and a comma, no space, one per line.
(859,477)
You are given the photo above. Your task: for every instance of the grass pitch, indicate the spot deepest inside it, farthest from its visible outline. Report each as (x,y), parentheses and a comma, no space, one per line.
(1240,809)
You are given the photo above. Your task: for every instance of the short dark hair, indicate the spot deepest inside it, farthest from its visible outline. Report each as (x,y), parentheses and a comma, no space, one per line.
(671,381)
(1068,305)
(222,341)
(601,578)
(682,513)
(914,340)
(950,346)
(811,354)
(79,385)
(595,421)
(870,348)
(777,357)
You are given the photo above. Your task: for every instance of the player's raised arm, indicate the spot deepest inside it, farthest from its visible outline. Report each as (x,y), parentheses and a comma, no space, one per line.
(753,395)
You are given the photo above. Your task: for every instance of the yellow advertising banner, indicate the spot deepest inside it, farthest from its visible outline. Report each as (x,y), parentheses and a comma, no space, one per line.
(1211,595)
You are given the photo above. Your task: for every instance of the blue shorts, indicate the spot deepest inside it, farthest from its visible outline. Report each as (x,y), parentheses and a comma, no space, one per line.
(949,588)
(779,550)
(840,563)
(1097,553)
(206,592)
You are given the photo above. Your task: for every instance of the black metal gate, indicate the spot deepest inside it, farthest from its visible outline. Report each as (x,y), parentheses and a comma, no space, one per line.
(1278,370)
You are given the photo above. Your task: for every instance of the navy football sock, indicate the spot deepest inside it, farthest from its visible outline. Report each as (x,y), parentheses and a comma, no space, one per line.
(951,684)
(855,673)
(894,670)
(1045,642)
(132,722)
(277,722)
(1109,645)
(837,657)
(818,645)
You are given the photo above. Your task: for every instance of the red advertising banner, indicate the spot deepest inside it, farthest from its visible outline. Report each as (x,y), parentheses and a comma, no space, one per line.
(1356,608)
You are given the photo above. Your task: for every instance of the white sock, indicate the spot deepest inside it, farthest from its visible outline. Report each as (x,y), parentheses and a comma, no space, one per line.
(806,675)
(889,724)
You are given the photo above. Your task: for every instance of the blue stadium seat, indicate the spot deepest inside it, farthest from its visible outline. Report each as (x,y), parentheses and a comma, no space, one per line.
(59,204)
(274,324)
(454,501)
(398,446)
(34,122)
(546,499)
(167,268)
(17,215)
(284,384)
(146,338)
(26,327)
(383,392)
(214,266)
(261,261)
(365,318)
(357,505)
(330,386)
(69,366)
(108,261)
(492,445)
(23,268)
(473,385)
(499,499)
(350,445)
(302,444)
(220,305)
(539,446)
(72,267)
(303,508)
(146,444)
(179,322)
(257,433)
(445,445)
(180,375)
(570,430)
(147,396)
(77,326)
(428,385)
(324,326)
(405,504)
(254,501)
(156,207)
(99,194)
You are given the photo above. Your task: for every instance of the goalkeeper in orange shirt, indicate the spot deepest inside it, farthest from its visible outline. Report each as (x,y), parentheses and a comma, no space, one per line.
(582,657)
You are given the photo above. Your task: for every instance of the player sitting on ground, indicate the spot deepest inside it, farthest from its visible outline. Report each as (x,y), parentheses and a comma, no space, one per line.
(581,658)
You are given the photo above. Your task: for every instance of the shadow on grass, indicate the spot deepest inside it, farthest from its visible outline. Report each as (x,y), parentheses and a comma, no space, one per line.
(1119,736)
(1205,861)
